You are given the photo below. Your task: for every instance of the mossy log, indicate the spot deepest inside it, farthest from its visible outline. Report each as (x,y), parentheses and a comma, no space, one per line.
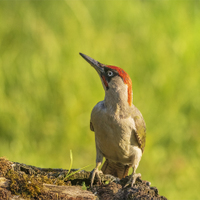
(20,181)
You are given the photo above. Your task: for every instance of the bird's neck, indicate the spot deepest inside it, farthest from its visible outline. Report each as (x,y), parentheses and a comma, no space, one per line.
(116,101)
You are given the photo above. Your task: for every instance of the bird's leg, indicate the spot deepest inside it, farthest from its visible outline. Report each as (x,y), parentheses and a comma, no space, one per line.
(136,160)
(96,171)
(133,177)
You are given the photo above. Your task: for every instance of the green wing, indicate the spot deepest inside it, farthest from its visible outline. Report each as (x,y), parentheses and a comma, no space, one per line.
(140,132)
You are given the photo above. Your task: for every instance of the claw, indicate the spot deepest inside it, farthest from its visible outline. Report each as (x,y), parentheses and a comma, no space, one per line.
(132,180)
(95,173)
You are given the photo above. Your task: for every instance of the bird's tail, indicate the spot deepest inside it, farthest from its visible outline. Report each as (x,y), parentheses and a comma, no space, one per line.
(116,169)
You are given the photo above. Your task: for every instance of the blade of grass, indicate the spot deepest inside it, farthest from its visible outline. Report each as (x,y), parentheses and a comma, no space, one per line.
(68,175)
(70,167)
(71,162)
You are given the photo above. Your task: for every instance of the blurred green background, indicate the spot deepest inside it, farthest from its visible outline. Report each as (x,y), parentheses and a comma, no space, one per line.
(47,91)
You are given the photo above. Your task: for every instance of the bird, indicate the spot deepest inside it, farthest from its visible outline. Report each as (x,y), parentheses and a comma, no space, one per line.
(119,127)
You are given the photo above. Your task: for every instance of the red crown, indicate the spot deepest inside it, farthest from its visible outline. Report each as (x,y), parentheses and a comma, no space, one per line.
(127,80)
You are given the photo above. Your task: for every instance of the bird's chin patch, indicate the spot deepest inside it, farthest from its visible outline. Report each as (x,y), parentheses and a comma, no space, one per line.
(105,82)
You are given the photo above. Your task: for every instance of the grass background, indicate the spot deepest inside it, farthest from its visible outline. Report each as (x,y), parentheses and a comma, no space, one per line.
(47,90)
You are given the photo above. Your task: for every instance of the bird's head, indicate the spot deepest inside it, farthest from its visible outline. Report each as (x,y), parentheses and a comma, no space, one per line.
(115,80)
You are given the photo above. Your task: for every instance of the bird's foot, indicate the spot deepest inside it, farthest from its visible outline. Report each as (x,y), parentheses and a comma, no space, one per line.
(95,174)
(110,178)
(132,180)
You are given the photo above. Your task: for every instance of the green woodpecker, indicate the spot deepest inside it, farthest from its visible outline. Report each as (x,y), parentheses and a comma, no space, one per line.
(118,125)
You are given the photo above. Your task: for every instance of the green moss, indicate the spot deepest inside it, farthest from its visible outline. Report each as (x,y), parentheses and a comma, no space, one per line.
(29,184)
(4,166)
(22,184)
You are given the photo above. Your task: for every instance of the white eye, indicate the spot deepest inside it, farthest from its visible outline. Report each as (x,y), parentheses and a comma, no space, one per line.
(110,73)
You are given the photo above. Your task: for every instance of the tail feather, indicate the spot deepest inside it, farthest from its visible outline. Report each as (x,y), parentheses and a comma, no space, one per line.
(116,169)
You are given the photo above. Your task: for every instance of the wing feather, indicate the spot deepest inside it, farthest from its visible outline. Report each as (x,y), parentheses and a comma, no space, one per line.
(140,132)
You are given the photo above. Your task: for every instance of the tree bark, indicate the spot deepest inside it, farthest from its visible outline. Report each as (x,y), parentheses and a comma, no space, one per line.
(20,181)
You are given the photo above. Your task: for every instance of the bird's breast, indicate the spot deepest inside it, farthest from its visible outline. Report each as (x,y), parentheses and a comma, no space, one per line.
(113,135)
